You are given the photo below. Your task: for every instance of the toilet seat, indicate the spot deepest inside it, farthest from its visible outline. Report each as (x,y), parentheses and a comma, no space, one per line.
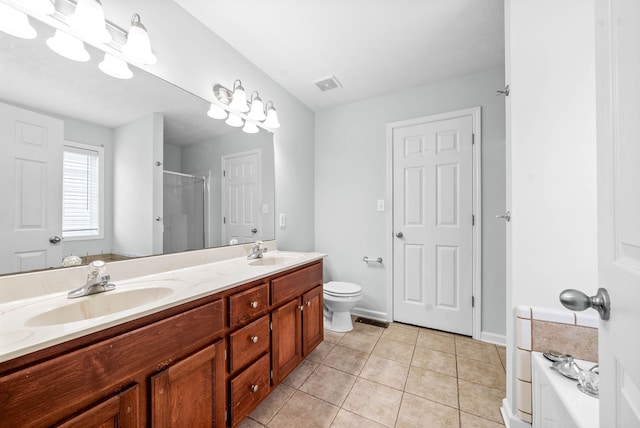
(342,289)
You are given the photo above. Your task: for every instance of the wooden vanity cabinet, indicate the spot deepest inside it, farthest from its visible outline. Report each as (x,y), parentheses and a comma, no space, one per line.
(119,411)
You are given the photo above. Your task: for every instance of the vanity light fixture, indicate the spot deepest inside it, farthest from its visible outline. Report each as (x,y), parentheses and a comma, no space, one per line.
(216,112)
(15,22)
(68,46)
(250,128)
(272,117)
(138,46)
(239,99)
(88,20)
(45,7)
(257,108)
(234,120)
(115,67)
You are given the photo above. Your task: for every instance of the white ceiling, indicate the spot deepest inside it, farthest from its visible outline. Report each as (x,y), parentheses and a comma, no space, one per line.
(373,47)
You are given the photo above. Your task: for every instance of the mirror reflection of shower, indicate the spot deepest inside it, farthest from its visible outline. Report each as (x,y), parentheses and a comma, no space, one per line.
(184,204)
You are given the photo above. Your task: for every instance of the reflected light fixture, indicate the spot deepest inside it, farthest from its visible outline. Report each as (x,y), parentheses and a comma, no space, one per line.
(68,46)
(239,99)
(115,67)
(250,128)
(216,112)
(257,108)
(15,22)
(88,20)
(138,46)
(234,120)
(272,117)
(44,7)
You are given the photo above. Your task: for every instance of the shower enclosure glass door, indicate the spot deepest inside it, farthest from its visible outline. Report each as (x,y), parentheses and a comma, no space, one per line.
(184,202)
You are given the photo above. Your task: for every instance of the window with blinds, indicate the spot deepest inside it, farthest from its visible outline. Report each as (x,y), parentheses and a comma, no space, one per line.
(82,190)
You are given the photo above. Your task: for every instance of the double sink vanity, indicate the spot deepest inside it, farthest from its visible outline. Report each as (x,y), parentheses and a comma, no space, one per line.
(200,345)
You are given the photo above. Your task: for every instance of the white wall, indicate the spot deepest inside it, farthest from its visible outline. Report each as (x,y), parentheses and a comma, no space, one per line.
(550,65)
(193,58)
(351,175)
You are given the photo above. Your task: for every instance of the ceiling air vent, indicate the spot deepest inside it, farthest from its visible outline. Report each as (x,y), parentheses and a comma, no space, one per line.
(327,83)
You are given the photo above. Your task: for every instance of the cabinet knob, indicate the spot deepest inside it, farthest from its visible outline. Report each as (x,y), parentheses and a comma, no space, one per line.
(254,388)
(308,303)
(254,304)
(301,308)
(254,339)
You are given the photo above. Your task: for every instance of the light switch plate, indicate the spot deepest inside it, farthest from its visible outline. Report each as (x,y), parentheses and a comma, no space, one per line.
(380,204)
(283,221)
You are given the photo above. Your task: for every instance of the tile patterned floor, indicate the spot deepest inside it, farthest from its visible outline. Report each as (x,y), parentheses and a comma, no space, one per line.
(401,376)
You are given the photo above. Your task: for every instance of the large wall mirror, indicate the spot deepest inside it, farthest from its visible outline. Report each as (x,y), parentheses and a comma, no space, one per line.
(118,168)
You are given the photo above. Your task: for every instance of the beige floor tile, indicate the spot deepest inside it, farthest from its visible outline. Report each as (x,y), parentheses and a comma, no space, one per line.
(393,350)
(332,336)
(374,401)
(274,402)
(436,342)
(436,361)
(321,352)
(346,359)
(346,419)
(387,372)
(329,384)
(300,374)
(480,400)
(359,341)
(478,351)
(296,413)
(433,386)
(419,412)
(401,334)
(502,352)
(250,423)
(372,330)
(487,374)
(468,420)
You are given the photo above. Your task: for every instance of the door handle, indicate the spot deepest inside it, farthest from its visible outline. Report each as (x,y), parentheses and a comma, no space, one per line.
(578,301)
(254,230)
(506,216)
(55,239)
(399,234)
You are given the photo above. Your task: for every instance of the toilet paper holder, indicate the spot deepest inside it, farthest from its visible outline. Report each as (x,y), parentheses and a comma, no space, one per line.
(369,260)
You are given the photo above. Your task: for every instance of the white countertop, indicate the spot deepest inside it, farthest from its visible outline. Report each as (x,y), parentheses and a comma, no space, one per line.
(17,338)
(583,409)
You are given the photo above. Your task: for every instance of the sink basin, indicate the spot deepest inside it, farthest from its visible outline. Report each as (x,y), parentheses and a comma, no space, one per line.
(275,260)
(98,305)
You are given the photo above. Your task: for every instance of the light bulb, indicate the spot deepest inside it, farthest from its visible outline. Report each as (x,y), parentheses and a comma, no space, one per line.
(250,128)
(15,22)
(239,99)
(115,67)
(88,20)
(272,118)
(216,112)
(257,108)
(68,46)
(234,120)
(138,46)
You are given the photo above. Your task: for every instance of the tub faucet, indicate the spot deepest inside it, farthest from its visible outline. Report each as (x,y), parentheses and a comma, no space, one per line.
(97,281)
(257,251)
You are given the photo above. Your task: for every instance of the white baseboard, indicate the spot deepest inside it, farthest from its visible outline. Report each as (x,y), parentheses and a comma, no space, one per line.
(496,339)
(366,313)
(511,420)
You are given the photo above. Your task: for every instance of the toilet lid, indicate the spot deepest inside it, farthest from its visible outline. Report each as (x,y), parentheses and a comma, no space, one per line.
(338,288)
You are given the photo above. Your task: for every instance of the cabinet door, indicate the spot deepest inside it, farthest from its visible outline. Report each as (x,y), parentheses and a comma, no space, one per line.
(286,347)
(312,320)
(191,392)
(120,411)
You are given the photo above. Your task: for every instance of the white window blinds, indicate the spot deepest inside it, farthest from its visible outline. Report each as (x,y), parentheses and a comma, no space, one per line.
(81,191)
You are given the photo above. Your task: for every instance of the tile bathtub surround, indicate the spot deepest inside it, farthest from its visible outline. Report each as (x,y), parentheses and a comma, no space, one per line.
(402,376)
(556,330)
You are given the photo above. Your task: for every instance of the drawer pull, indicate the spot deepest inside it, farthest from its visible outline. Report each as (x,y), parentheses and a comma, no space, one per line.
(254,339)
(254,388)
(308,302)
(254,304)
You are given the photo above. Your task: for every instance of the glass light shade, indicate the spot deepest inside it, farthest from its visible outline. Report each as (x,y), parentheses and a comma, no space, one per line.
(15,22)
(257,110)
(239,99)
(115,67)
(138,46)
(88,20)
(44,7)
(216,112)
(68,46)
(234,120)
(272,119)
(250,128)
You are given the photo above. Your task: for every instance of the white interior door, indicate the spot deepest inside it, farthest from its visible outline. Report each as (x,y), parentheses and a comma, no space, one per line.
(241,201)
(30,190)
(618,96)
(432,223)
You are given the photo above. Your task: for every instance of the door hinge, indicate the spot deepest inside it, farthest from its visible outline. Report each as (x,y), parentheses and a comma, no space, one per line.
(271,374)
(473,138)
(473,301)
(225,355)
(224,173)
(473,220)
(226,417)
(270,326)
(224,220)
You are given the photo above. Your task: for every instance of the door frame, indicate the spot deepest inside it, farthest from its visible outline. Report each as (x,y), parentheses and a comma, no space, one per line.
(476,275)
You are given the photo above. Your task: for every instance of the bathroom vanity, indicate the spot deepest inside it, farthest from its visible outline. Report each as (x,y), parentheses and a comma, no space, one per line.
(206,354)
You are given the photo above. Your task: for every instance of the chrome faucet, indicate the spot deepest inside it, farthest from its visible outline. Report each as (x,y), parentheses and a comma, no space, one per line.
(97,281)
(257,251)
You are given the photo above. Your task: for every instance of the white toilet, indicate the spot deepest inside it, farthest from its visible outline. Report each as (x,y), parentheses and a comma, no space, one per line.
(339,299)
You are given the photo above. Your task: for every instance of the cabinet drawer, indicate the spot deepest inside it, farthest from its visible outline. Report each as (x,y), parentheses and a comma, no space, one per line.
(249,388)
(247,304)
(248,343)
(296,283)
